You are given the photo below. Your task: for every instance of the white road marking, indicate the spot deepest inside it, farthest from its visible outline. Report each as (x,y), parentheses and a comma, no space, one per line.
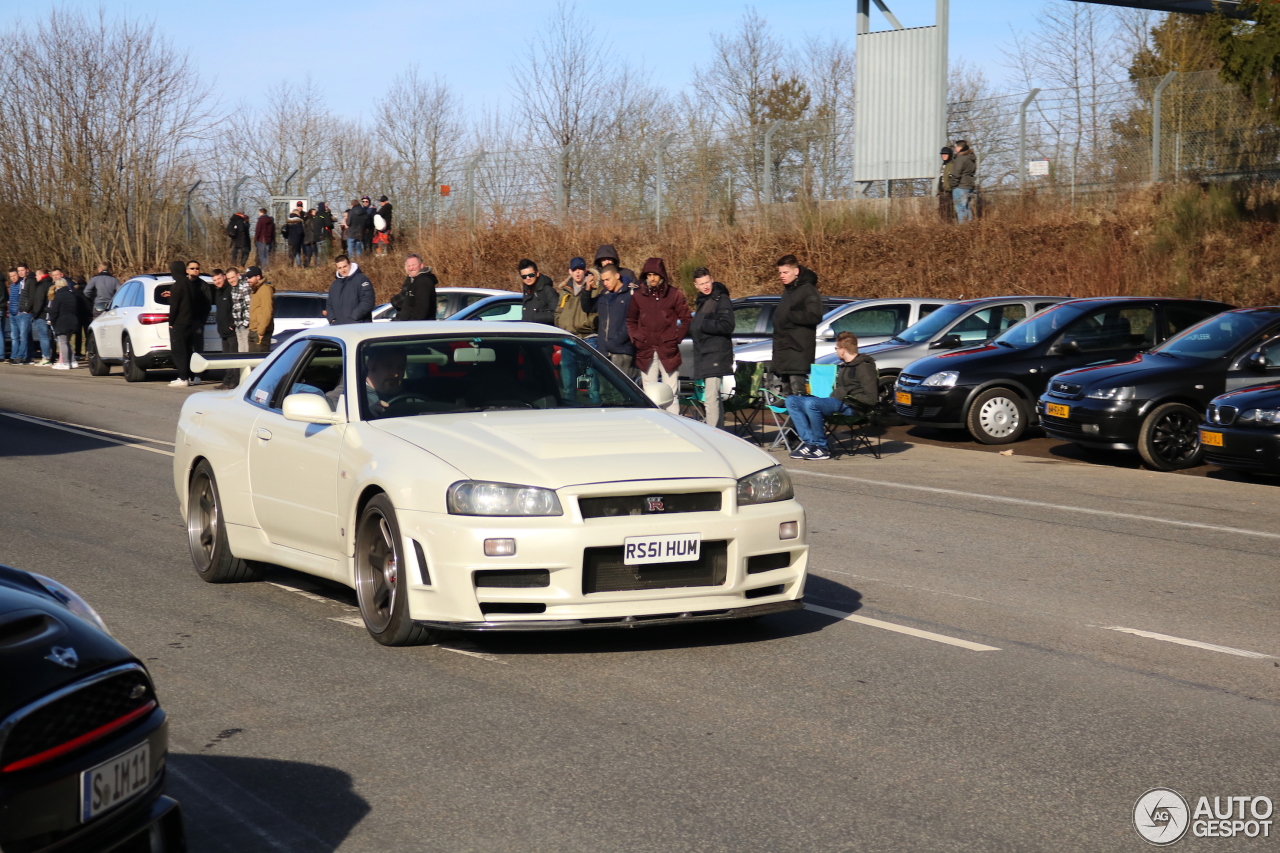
(305,593)
(901,629)
(1024,502)
(56,425)
(1152,635)
(107,431)
(218,799)
(469,653)
(354,621)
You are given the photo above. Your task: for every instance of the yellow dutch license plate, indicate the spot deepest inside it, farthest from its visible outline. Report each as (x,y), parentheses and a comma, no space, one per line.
(903,397)
(1056,410)
(1212,439)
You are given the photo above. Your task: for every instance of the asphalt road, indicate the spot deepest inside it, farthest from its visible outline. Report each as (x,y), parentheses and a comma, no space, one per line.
(890,730)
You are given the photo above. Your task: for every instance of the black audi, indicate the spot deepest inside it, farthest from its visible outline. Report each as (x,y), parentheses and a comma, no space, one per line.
(991,389)
(1153,403)
(83,740)
(1242,428)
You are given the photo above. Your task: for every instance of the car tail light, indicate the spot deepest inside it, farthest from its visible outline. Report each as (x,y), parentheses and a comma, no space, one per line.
(152,319)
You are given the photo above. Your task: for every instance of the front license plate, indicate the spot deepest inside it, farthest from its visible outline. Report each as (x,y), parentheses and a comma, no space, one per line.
(669,548)
(1212,439)
(1056,411)
(903,397)
(113,782)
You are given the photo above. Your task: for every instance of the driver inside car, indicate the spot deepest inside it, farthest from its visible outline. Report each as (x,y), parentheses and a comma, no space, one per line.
(384,378)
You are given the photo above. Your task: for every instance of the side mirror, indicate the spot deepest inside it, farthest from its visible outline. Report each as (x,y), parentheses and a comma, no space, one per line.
(1064,348)
(310,409)
(1257,362)
(946,342)
(829,335)
(660,393)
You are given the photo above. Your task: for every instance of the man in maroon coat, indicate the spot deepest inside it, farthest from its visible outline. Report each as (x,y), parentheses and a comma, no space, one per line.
(657,321)
(264,234)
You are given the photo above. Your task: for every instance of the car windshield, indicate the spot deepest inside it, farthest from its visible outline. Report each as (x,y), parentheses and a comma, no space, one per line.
(928,328)
(1218,335)
(1042,326)
(409,376)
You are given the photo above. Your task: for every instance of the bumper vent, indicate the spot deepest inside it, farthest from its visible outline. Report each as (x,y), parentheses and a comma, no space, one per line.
(768,562)
(604,571)
(761,592)
(512,578)
(925,412)
(656,504)
(488,607)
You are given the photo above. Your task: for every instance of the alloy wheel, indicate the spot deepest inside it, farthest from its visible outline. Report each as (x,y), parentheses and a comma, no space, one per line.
(202,520)
(1175,438)
(377,572)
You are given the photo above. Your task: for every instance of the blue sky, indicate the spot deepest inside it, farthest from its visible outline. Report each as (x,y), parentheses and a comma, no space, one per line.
(356,47)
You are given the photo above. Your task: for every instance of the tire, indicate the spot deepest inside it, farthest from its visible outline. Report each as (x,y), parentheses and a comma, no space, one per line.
(97,367)
(381,587)
(1170,438)
(207,535)
(132,372)
(888,416)
(997,416)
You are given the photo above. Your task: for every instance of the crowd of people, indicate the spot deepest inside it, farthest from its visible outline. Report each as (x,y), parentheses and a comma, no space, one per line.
(309,234)
(45,314)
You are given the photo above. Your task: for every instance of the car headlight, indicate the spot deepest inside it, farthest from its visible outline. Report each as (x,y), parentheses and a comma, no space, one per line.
(767,486)
(1118,395)
(1270,417)
(72,602)
(945,379)
(475,497)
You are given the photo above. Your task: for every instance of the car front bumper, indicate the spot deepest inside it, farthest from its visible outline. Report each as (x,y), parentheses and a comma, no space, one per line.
(943,408)
(1092,423)
(453,549)
(1256,450)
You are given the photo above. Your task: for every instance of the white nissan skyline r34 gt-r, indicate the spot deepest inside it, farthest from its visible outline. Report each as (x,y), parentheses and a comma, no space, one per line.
(482,476)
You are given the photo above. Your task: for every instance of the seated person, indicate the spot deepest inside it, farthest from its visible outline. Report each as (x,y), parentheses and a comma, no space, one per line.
(856,389)
(384,378)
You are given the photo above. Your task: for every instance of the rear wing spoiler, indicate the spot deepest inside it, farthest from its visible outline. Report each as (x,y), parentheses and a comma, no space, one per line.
(245,362)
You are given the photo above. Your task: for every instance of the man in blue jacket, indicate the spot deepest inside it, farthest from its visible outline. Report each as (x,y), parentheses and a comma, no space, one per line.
(350,295)
(612,305)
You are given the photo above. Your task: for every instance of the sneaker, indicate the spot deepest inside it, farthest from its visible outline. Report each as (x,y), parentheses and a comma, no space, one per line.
(75,365)
(195,380)
(801,451)
(44,362)
(61,367)
(819,453)
(178,383)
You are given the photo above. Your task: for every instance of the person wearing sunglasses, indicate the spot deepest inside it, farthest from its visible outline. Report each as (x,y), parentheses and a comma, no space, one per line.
(539,304)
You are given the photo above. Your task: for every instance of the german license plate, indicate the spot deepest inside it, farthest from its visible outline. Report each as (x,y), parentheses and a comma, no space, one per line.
(1212,439)
(902,397)
(667,548)
(1055,410)
(113,782)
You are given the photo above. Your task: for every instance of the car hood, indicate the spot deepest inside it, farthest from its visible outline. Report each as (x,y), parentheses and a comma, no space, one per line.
(1138,370)
(960,360)
(1260,397)
(762,350)
(568,447)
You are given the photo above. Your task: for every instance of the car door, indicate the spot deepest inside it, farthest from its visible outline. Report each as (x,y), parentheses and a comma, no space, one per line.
(1112,333)
(107,326)
(503,310)
(293,467)
(1246,372)
(872,323)
(985,323)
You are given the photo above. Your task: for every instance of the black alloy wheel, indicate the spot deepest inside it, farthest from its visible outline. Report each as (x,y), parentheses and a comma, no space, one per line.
(132,372)
(1170,438)
(888,416)
(97,367)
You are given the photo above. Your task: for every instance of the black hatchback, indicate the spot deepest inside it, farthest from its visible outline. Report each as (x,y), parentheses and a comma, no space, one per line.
(1242,428)
(991,389)
(1153,402)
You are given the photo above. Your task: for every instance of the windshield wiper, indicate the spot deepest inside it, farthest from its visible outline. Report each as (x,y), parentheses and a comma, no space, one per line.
(1005,344)
(897,340)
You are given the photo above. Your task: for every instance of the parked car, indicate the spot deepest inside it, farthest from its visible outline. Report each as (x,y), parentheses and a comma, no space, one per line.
(1241,429)
(956,325)
(134,330)
(83,740)
(991,389)
(1153,402)
(753,322)
(509,307)
(449,301)
(872,320)
(464,486)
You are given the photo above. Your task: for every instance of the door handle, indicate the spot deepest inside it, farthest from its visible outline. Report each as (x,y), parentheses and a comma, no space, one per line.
(264,434)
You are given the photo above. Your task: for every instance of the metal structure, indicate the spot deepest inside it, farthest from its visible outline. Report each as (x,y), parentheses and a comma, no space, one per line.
(901,100)
(1230,8)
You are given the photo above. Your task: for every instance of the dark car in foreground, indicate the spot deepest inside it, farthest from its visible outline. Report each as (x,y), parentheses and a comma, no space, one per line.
(83,740)
(991,389)
(1242,430)
(1153,402)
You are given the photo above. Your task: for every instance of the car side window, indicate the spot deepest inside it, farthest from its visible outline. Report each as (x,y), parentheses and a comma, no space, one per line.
(321,374)
(880,321)
(1012,314)
(745,318)
(1179,317)
(263,393)
(1040,306)
(442,305)
(978,326)
(928,308)
(501,311)
(1114,328)
(138,298)
(122,295)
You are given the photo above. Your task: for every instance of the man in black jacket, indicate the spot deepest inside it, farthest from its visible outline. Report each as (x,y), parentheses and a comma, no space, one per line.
(188,309)
(238,231)
(795,325)
(35,302)
(355,220)
(712,331)
(417,297)
(350,295)
(539,301)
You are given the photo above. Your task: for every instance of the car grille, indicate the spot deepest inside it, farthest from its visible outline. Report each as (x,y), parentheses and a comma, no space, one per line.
(909,380)
(924,412)
(1247,463)
(96,708)
(1224,415)
(1061,424)
(604,571)
(660,504)
(1065,390)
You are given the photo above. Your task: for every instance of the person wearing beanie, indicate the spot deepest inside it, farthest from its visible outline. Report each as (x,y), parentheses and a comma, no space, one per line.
(657,320)
(294,235)
(946,207)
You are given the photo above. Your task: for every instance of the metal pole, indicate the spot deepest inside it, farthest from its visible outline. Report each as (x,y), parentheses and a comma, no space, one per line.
(1022,139)
(1155,125)
(306,180)
(472,165)
(864,16)
(285,189)
(235,193)
(562,204)
(944,36)
(186,208)
(768,163)
(662,147)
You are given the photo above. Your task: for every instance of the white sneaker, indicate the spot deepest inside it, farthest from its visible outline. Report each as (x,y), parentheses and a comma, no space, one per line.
(61,367)
(74,365)
(195,380)
(178,383)
(44,362)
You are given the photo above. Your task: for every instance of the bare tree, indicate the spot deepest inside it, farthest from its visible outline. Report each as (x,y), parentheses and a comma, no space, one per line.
(420,121)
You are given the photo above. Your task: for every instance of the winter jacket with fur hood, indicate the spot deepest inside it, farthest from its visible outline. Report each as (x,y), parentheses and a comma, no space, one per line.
(657,320)
(350,298)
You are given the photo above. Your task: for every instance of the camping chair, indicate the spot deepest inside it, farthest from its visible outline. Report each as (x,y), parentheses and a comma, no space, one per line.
(776,405)
(693,399)
(744,403)
(822,381)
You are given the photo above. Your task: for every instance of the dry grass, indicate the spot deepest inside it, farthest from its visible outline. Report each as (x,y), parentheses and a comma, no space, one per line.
(1187,240)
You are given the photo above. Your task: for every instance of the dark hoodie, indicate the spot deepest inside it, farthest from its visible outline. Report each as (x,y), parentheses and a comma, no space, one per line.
(539,301)
(657,320)
(188,302)
(712,332)
(795,325)
(607,252)
(858,379)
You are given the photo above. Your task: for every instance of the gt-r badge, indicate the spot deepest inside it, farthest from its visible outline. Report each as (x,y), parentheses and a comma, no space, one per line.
(653,504)
(63,657)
